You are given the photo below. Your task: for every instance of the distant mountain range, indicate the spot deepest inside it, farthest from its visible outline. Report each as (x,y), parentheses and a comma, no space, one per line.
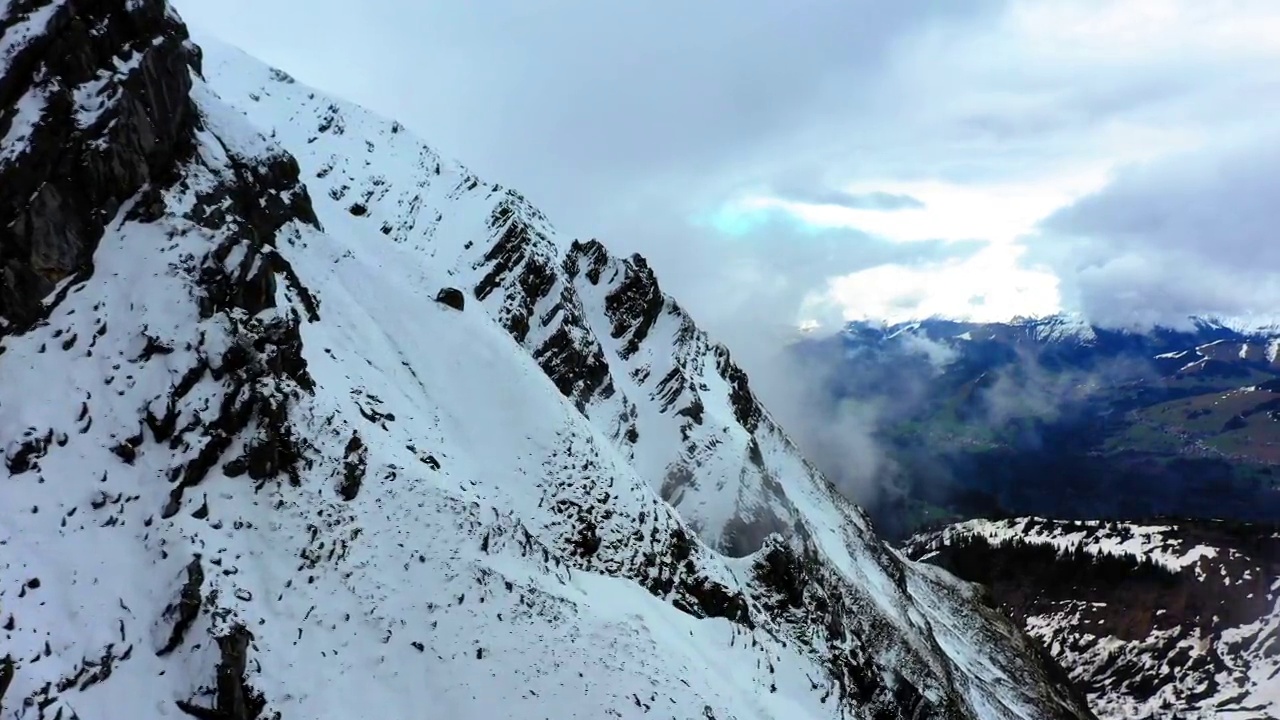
(1058,417)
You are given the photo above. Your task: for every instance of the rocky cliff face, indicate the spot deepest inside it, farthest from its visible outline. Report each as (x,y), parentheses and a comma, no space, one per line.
(117,83)
(271,456)
(1172,620)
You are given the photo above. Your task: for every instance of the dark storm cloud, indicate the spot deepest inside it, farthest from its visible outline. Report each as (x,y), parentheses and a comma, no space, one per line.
(1197,233)
(582,102)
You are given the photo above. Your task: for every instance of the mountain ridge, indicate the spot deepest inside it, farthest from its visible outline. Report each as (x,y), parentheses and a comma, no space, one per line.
(310,467)
(1074,326)
(1165,618)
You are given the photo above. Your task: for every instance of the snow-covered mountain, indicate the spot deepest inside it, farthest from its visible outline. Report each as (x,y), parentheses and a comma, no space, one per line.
(1177,619)
(1252,340)
(301,420)
(1054,417)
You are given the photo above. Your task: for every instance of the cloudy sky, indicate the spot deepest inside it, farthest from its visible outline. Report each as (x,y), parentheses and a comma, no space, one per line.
(789,160)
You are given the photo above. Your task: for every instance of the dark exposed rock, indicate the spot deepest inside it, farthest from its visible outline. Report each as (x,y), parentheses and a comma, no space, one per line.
(251,207)
(265,362)
(633,306)
(521,262)
(6,677)
(514,250)
(713,600)
(127,449)
(589,259)
(74,171)
(745,407)
(153,347)
(233,698)
(187,609)
(28,452)
(353,468)
(451,297)
(579,372)
(781,570)
(587,542)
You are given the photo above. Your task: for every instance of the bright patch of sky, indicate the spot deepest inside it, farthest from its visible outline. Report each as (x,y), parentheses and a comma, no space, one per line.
(991,285)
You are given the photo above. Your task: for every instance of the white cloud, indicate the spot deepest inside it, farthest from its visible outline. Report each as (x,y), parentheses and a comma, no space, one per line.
(1139,31)
(991,286)
(995,212)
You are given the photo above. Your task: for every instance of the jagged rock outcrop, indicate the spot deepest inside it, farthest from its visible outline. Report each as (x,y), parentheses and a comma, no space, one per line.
(472,511)
(109,139)
(1180,618)
(94,104)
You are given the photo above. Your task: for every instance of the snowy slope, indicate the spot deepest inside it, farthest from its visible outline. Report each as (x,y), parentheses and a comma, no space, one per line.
(627,354)
(1198,639)
(255,468)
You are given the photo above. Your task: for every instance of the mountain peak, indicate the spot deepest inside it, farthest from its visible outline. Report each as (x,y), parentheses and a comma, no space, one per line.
(273,456)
